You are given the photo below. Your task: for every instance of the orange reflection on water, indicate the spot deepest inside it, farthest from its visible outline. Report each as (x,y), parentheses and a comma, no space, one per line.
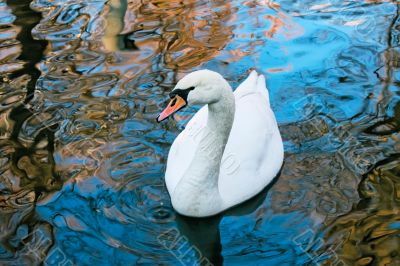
(185,34)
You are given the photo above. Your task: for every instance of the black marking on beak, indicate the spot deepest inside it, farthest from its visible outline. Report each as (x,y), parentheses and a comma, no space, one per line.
(183,93)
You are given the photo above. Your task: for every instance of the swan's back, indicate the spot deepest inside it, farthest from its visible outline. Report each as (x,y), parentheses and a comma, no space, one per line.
(254,147)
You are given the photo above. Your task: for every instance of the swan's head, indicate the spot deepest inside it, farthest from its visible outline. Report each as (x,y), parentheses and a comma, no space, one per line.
(197,88)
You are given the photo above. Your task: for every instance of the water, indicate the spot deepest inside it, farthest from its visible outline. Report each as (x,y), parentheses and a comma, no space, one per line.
(82,158)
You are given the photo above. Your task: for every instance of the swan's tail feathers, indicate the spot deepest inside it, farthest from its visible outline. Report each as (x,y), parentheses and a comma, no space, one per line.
(248,84)
(262,88)
(253,84)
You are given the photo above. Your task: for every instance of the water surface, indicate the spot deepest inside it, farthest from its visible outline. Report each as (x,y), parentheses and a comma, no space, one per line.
(82,159)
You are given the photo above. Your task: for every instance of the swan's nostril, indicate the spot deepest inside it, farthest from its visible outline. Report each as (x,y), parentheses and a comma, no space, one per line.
(173,102)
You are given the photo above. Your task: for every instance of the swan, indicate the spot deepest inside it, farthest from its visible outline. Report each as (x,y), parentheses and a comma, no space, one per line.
(229,151)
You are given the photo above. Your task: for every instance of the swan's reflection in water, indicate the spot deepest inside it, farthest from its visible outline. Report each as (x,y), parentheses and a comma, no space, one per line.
(203,237)
(204,234)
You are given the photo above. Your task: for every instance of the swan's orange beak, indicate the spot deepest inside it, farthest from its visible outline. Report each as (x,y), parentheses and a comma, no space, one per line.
(176,104)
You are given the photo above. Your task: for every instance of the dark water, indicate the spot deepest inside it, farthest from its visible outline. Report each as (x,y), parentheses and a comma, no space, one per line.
(82,158)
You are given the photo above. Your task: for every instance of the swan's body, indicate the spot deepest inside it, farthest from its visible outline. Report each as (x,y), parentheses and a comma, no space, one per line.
(229,151)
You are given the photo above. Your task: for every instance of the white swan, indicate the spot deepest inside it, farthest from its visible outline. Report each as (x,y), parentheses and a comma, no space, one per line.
(229,151)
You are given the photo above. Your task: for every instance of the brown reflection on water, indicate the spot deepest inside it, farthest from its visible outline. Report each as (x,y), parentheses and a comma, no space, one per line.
(186,34)
(370,233)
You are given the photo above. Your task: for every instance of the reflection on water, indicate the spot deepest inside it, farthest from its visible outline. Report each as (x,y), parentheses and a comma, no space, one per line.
(82,158)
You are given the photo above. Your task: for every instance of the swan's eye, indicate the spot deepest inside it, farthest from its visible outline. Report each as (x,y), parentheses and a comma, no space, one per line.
(183,93)
(172,94)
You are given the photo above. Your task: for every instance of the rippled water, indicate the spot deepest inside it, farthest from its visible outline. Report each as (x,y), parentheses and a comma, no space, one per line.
(82,158)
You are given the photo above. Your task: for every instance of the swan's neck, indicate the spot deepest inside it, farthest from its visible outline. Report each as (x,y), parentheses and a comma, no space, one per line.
(206,164)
